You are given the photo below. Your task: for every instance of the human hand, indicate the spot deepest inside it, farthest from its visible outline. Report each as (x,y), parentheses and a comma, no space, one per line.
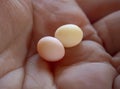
(85,66)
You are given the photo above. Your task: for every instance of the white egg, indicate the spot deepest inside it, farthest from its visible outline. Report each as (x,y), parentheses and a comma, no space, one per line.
(50,49)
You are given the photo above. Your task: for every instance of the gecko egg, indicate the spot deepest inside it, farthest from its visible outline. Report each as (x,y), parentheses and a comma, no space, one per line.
(50,49)
(70,35)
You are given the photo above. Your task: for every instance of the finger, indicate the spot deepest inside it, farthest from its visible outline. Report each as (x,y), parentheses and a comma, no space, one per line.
(108,30)
(48,16)
(86,76)
(96,9)
(116,60)
(12,80)
(38,75)
(117,82)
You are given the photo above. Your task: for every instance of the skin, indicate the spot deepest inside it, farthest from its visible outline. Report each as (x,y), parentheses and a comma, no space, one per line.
(95,63)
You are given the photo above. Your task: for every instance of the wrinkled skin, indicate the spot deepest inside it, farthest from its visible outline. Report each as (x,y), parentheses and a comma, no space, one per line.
(93,64)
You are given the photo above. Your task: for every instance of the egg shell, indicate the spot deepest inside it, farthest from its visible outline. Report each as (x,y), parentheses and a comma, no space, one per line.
(50,49)
(70,35)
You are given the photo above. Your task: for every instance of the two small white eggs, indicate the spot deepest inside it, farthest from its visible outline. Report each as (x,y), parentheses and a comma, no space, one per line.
(52,48)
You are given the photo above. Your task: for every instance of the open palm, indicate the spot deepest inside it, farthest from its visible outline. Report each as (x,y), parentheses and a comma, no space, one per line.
(93,64)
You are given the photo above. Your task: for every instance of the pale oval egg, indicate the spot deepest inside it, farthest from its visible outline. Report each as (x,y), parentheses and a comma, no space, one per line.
(50,49)
(70,35)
